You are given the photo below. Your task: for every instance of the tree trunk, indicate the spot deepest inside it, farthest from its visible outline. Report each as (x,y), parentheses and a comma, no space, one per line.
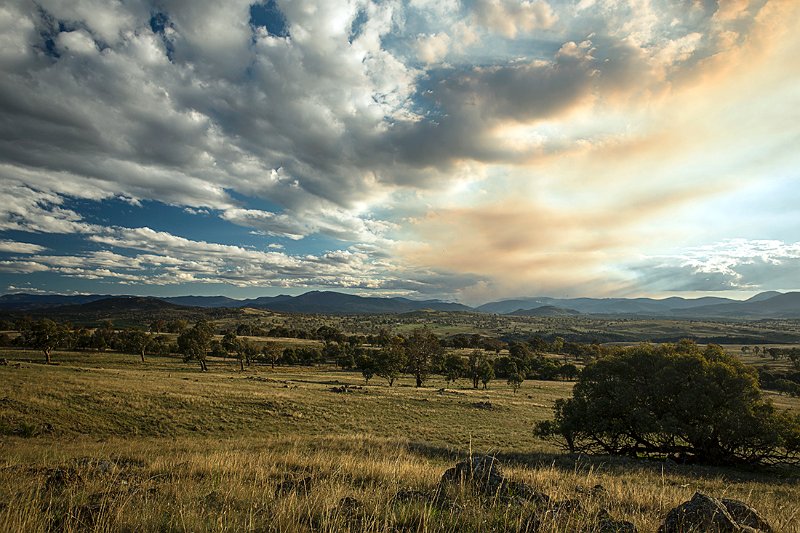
(142,354)
(47,356)
(241,364)
(475,382)
(203,366)
(419,380)
(273,363)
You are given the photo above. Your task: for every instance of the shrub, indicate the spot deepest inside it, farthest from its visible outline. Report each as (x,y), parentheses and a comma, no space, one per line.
(674,401)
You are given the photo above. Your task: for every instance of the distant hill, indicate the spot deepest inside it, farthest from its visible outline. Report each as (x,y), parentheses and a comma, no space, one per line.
(126,311)
(604,306)
(24,301)
(760,297)
(120,303)
(203,301)
(314,302)
(765,305)
(545,310)
(336,303)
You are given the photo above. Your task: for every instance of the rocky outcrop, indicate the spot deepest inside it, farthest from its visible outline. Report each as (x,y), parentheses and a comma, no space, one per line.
(483,473)
(708,514)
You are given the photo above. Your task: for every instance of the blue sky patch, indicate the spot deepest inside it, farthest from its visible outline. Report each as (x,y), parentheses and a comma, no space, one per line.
(267,15)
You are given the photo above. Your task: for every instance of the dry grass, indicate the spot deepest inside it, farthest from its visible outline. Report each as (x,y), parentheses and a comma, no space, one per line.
(114,445)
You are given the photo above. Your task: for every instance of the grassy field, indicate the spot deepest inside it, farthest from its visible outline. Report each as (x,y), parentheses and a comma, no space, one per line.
(102,442)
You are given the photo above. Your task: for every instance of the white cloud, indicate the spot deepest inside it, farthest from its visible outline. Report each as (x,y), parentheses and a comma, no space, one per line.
(25,209)
(511,17)
(734,264)
(76,42)
(15,247)
(21,267)
(432,48)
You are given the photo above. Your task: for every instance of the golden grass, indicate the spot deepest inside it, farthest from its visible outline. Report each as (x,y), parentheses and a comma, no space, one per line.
(115,445)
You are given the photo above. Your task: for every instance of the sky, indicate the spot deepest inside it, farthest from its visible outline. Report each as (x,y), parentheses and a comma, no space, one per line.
(467,150)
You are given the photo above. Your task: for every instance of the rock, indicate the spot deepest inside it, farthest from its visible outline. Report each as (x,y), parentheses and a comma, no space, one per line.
(517,490)
(350,508)
(701,513)
(746,515)
(287,486)
(607,524)
(483,471)
(484,474)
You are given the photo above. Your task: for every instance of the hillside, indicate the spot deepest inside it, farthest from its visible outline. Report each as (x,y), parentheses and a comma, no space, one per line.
(313,302)
(125,311)
(604,306)
(203,301)
(335,303)
(765,305)
(545,310)
(768,305)
(162,447)
(25,302)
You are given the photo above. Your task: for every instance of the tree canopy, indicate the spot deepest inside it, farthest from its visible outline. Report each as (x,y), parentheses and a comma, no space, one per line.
(679,401)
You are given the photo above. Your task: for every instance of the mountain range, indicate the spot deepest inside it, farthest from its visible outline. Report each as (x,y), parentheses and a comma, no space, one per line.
(765,305)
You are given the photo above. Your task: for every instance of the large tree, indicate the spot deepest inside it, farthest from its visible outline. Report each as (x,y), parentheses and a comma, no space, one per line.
(678,401)
(138,342)
(423,352)
(453,367)
(390,360)
(272,352)
(46,335)
(194,343)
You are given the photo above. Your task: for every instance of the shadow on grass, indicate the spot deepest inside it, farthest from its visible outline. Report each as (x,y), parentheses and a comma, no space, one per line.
(566,462)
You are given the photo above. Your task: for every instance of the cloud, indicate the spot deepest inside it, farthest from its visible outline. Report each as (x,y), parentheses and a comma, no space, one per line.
(735,264)
(20,247)
(21,267)
(432,48)
(26,209)
(536,129)
(510,17)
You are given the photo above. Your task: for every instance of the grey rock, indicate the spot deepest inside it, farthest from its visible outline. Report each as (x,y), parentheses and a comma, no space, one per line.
(484,471)
(484,474)
(701,513)
(746,515)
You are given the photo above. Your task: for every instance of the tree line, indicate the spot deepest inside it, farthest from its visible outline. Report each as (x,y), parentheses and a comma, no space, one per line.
(419,354)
